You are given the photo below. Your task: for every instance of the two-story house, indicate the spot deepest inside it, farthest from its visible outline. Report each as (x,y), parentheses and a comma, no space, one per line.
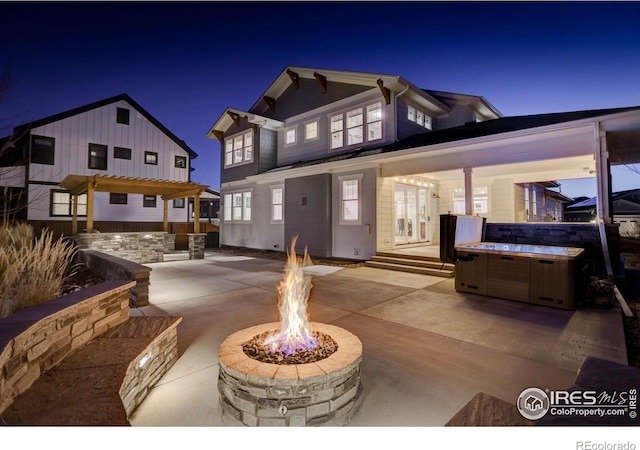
(114,137)
(355,163)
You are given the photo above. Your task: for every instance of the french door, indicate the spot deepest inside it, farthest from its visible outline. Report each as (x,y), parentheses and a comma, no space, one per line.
(411,206)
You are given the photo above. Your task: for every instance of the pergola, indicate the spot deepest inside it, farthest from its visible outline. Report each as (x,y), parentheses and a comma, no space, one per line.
(168,190)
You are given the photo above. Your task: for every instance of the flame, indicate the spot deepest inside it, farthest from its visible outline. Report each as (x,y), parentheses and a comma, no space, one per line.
(295,333)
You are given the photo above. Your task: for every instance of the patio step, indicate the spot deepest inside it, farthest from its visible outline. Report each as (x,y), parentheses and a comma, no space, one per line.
(412,264)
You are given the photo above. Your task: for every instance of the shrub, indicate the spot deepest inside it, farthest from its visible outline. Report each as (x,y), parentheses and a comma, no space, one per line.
(31,271)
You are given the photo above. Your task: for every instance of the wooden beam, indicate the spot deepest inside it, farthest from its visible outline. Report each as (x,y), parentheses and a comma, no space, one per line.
(235,117)
(322,81)
(196,213)
(254,126)
(91,186)
(386,93)
(219,135)
(165,216)
(74,218)
(271,103)
(295,79)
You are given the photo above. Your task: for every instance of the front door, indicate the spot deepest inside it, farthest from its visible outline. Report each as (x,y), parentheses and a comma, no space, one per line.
(411,214)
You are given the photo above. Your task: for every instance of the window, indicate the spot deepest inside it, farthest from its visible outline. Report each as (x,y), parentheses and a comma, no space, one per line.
(427,122)
(311,131)
(149,201)
(354,126)
(181,162)
(420,118)
(290,136)
(62,204)
(337,124)
(42,150)
(151,158)
(277,199)
(122,116)
(121,153)
(178,203)
(411,113)
(480,200)
(237,207)
(238,149)
(117,199)
(97,156)
(374,121)
(350,194)
(358,128)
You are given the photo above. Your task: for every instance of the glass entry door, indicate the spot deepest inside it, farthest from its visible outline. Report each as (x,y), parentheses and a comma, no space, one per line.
(411,214)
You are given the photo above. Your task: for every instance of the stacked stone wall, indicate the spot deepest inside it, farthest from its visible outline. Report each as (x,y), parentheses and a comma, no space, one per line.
(35,339)
(146,247)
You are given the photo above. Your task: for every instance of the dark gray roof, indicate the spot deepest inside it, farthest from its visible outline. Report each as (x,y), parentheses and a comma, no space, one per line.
(468,131)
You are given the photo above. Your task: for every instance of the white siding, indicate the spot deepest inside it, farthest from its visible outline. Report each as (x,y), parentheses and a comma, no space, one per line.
(385,234)
(98,126)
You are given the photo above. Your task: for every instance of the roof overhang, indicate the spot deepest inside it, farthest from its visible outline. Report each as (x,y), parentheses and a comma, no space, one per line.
(169,190)
(233,116)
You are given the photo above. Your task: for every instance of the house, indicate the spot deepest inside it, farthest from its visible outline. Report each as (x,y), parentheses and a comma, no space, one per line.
(112,138)
(357,163)
(626,211)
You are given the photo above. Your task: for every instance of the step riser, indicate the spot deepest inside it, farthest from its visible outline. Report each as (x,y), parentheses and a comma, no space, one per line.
(411,269)
(413,262)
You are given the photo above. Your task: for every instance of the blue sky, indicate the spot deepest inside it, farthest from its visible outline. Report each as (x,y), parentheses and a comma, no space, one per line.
(186,62)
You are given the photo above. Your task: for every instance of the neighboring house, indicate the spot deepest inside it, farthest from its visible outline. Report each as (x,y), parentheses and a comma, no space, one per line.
(626,211)
(536,202)
(111,137)
(209,206)
(355,163)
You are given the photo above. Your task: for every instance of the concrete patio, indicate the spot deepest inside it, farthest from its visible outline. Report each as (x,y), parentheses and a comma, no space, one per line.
(427,349)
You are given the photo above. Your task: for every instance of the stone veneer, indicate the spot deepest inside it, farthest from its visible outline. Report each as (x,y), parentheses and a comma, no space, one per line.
(35,339)
(144,247)
(197,243)
(253,393)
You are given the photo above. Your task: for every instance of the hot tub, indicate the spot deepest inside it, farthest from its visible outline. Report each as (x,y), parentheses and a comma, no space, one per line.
(537,274)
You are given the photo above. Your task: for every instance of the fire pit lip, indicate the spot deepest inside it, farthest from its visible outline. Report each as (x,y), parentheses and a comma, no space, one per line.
(232,356)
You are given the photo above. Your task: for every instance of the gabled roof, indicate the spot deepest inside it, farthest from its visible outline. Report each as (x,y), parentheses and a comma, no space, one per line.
(624,202)
(480,105)
(72,112)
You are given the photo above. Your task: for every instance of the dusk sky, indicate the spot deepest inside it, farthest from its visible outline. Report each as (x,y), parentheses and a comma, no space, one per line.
(186,62)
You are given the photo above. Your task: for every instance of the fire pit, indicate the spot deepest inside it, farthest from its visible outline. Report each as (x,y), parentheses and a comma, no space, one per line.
(292,373)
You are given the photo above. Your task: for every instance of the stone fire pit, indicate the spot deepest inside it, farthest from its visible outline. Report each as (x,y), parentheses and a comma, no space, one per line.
(325,392)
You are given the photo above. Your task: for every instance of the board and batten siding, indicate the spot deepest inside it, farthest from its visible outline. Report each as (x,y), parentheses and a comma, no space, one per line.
(98,126)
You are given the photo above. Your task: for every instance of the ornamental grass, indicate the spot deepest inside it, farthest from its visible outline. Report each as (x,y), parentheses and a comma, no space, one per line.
(32,270)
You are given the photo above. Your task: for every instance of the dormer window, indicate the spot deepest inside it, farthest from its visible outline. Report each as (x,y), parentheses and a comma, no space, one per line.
(419,117)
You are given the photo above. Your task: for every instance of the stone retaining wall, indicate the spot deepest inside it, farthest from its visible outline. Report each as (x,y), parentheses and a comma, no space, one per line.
(110,267)
(37,338)
(145,247)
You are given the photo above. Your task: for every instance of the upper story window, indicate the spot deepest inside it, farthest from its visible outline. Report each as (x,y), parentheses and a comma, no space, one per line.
(151,158)
(181,162)
(311,131)
(97,156)
(358,126)
(62,204)
(122,116)
(419,117)
(121,153)
(238,149)
(42,150)
(290,136)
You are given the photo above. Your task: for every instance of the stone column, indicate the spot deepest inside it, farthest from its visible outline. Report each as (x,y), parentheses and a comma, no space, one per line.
(196,245)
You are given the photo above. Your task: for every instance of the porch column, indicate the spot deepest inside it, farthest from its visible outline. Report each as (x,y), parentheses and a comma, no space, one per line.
(91,186)
(165,217)
(196,213)
(74,217)
(603,208)
(468,191)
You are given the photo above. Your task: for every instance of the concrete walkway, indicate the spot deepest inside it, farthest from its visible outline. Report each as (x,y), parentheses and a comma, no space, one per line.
(427,349)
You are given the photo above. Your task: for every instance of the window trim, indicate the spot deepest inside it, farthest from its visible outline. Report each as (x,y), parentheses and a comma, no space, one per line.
(180,158)
(147,198)
(115,195)
(94,147)
(120,149)
(120,119)
(363,108)
(306,124)
(51,159)
(274,188)
(70,203)
(294,129)
(232,139)
(341,180)
(146,161)
(177,201)
(228,206)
